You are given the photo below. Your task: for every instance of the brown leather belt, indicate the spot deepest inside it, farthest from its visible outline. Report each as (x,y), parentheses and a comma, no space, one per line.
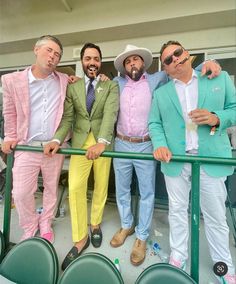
(133,139)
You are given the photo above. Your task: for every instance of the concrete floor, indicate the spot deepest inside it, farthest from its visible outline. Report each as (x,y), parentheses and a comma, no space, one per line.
(111,223)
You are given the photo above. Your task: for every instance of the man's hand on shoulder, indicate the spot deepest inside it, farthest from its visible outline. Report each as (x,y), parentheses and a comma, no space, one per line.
(212,68)
(104,78)
(72,79)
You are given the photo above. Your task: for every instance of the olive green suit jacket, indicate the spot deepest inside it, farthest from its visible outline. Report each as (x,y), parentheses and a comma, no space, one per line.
(101,120)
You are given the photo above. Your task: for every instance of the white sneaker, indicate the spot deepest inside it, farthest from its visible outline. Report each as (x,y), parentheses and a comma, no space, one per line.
(178,263)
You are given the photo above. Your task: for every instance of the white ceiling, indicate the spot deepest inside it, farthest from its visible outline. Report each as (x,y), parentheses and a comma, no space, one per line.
(108,32)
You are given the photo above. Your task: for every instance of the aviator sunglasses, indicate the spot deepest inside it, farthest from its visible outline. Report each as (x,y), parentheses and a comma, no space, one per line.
(168,60)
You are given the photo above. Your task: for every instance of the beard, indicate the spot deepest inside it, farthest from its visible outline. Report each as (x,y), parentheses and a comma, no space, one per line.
(91,71)
(135,73)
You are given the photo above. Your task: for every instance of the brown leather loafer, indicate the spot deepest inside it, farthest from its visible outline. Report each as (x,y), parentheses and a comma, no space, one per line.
(120,237)
(138,253)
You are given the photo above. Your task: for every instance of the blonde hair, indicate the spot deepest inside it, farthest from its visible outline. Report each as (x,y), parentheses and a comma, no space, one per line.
(43,40)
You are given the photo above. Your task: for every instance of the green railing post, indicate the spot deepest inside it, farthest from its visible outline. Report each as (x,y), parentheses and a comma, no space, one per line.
(195,221)
(7,203)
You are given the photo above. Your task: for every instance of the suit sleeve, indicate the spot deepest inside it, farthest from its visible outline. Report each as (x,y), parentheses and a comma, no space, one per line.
(67,118)
(227,116)
(110,112)
(9,111)
(156,130)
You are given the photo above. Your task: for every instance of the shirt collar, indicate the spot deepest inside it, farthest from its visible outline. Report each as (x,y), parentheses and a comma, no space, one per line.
(87,79)
(194,75)
(32,78)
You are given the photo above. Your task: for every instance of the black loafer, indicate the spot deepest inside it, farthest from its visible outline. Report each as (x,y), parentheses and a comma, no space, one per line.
(73,254)
(96,237)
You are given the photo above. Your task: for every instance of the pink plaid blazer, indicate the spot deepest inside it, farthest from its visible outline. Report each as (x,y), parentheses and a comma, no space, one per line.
(16,104)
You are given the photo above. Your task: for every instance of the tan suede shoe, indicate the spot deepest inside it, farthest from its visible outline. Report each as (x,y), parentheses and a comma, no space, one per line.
(120,237)
(138,253)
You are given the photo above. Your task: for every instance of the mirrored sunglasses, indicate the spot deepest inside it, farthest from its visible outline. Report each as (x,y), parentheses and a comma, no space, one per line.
(177,53)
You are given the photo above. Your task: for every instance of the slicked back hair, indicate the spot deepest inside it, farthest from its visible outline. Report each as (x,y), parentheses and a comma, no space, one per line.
(90,45)
(170,42)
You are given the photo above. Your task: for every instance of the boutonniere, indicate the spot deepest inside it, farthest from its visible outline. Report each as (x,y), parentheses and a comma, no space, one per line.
(99,89)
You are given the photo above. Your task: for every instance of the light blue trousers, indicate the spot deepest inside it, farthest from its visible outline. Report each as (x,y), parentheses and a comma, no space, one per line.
(146,172)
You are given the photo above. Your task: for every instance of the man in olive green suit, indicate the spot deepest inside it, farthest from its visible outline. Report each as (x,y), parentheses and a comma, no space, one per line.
(91,108)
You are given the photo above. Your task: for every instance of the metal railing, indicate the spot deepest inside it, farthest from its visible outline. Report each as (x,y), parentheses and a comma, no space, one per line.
(196,162)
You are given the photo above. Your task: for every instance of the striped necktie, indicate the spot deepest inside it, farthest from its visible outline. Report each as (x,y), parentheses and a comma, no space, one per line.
(90,96)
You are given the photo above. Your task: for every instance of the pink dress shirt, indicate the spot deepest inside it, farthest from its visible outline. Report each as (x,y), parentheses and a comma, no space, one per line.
(135,103)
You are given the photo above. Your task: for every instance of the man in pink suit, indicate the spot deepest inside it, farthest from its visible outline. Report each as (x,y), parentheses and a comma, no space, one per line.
(32,108)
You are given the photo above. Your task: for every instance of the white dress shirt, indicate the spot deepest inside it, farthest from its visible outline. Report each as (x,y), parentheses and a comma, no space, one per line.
(44,103)
(188,98)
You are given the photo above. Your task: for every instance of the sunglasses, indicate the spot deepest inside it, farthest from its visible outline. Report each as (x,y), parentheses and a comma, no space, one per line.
(177,53)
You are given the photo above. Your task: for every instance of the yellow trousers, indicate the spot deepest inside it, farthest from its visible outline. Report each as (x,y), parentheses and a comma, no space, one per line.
(79,171)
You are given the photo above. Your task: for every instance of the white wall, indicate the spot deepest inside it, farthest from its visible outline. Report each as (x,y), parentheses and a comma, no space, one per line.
(112,24)
(197,40)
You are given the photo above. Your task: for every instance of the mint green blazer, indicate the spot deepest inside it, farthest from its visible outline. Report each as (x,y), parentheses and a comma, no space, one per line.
(167,125)
(101,120)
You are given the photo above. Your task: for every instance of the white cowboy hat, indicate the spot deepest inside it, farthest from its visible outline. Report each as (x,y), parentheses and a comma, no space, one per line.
(133,50)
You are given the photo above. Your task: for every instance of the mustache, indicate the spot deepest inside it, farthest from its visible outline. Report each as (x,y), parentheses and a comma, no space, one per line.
(93,69)
(135,73)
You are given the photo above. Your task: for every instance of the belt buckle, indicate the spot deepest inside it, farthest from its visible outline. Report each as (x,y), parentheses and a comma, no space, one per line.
(38,143)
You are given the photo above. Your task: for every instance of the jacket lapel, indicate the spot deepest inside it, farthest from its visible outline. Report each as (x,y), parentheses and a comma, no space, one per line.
(202,87)
(22,87)
(174,97)
(99,92)
(63,81)
(80,91)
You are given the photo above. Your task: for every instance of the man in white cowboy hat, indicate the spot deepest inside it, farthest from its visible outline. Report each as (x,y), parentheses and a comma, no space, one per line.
(136,87)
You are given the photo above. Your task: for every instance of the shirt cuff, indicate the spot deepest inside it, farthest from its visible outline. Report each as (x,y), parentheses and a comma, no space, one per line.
(56,140)
(217,124)
(103,141)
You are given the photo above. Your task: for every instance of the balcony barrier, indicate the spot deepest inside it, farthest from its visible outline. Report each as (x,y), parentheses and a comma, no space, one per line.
(196,162)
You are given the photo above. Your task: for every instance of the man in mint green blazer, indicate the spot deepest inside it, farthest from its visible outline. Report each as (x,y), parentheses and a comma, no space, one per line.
(190,115)
(91,108)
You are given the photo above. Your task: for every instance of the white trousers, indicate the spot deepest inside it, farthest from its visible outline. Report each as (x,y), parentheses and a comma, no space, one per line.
(212,202)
